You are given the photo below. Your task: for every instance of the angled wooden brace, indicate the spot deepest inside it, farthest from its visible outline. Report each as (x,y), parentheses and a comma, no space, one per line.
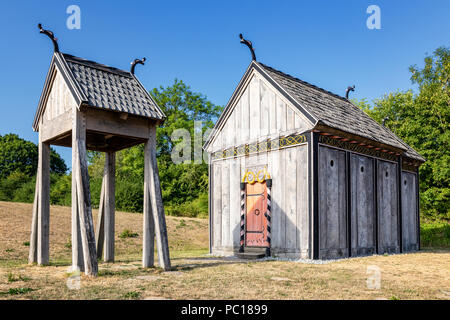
(154,218)
(83,195)
(39,239)
(106,211)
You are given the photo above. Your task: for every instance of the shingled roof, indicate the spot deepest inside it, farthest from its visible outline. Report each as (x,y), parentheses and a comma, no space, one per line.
(100,86)
(336,112)
(324,109)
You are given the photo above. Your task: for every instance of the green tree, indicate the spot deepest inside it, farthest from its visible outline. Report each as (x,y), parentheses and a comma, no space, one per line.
(17,154)
(429,132)
(422,121)
(181,183)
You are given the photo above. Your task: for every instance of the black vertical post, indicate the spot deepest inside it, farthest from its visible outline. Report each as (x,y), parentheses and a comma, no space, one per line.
(399,183)
(269,216)
(242,226)
(315,193)
(349,203)
(418,209)
(310,237)
(375,196)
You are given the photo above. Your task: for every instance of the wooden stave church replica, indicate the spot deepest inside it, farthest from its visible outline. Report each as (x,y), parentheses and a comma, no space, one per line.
(331,181)
(89,106)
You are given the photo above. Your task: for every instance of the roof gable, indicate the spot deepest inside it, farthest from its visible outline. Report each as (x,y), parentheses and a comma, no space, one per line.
(261,101)
(95,85)
(321,107)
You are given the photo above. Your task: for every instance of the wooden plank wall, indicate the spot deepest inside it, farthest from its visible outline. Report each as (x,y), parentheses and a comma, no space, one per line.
(332,204)
(388,241)
(290,209)
(259,113)
(409,211)
(59,101)
(363,240)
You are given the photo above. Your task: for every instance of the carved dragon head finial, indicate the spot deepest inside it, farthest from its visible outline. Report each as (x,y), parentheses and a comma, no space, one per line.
(51,35)
(249,45)
(135,62)
(352,88)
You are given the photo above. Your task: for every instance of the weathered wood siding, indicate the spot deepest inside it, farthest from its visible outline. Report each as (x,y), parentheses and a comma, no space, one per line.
(362,205)
(387,192)
(409,211)
(290,211)
(57,115)
(332,203)
(259,113)
(59,101)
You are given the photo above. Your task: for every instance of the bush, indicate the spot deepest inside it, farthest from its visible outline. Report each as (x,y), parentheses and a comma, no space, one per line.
(129,195)
(128,234)
(9,185)
(195,208)
(61,189)
(25,193)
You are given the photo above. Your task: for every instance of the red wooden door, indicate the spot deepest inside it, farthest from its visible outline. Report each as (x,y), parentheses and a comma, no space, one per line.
(256,222)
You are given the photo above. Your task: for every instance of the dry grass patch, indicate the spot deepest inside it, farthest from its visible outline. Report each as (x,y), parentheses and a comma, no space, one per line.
(423,275)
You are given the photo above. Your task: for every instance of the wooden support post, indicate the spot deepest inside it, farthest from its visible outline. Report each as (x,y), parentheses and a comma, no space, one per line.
(153,187)
(100,232)
(43,203)
(148,254)
(110,205)
(32,257)
(77,247)
(83,194)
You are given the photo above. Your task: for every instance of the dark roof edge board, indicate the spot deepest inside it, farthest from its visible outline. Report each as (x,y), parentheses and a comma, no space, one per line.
(408,148)
(386,140)
(59,64)
(71,80)
(342,133)
(312,118)
(304,82)
(398,143)
(227,107)
(44,94)
(119,72)
(96,65)
(159,110)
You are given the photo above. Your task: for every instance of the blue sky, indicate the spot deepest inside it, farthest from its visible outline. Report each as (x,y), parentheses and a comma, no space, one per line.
(326,43)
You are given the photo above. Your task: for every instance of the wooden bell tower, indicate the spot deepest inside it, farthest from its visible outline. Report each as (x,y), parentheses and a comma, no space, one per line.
(89,106)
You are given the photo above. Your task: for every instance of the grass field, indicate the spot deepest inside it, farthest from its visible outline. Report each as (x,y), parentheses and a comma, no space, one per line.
(196,275)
